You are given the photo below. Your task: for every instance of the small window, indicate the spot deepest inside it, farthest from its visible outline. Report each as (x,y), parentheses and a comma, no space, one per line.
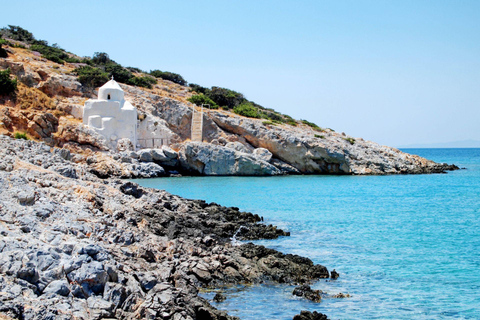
(108,97)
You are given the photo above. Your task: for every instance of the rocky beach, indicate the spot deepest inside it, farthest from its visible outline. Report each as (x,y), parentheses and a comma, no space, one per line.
(76,246)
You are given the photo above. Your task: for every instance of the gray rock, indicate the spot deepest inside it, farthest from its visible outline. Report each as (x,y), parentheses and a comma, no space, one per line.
(26,197)
(169,152)
(263,154)
(146,170)
(207,159)
(63,153)
(158,155)
(145,155)
(90,276)
(58,287)
(238,146)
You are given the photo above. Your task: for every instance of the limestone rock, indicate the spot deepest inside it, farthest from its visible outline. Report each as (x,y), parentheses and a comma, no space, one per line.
(61,84)
(206,159)
(71,132)
(238,146)
(124,144)
(333,154)
(263,154)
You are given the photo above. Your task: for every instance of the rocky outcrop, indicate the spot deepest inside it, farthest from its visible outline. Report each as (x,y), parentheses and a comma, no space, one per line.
(325,152)
(78,133)
(307,292)
(207,159)
(74,246)
(307,315)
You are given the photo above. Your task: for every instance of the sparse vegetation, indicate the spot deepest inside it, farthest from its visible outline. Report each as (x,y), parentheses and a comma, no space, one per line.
(8,86)
(51,53)
(145,81)
(199,99)
(268,123)
(90,76)
(310,124)
(20,135)
(350,140)
(319,136)
(17,33)
(165,75)
(100,67)
(198,88)
(247,109)
(33,98)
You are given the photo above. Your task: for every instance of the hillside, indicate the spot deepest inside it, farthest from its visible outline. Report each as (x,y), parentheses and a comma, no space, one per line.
(239,136)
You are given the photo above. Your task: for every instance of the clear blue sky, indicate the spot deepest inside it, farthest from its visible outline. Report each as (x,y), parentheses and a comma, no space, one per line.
(395,72)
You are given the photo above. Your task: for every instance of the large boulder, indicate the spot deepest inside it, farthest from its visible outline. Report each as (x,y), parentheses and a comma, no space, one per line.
(211,160)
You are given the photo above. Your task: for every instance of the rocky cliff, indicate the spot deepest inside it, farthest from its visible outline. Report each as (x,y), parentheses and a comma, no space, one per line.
(48,107)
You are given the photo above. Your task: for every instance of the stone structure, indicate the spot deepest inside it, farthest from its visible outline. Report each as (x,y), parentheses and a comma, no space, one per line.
(111,116)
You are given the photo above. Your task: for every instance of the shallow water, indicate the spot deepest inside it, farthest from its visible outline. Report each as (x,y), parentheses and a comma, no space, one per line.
(406,247)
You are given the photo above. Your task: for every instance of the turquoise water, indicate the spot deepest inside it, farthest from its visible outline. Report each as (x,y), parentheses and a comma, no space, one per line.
(406,247)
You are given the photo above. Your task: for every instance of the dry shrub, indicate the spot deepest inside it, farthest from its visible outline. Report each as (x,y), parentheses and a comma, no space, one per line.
(31,98)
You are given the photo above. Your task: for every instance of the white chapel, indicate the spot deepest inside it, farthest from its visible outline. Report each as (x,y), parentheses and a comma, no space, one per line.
(110,115)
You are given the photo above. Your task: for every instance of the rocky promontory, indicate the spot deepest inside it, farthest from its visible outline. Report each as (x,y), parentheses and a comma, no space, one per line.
(76,246)
(49,102)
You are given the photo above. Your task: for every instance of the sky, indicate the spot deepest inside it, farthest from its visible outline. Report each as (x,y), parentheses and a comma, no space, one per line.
(398,72)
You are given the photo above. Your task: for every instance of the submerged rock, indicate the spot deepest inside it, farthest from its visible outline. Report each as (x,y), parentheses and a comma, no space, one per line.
(307,315)
(307,292)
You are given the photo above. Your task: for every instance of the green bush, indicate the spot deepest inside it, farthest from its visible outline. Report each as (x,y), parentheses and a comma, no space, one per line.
(165,75)
(269,123)
(20,135)
(73,60)
(118,72)
(313,125)
(100,58)
(200,99)
(247,109)
(199,89)
(90,76)
(310,124)
(145,82)
(7,85)
(291,122)
(17,33)
(226,98)
(133,69)
(319,136)
(54,54)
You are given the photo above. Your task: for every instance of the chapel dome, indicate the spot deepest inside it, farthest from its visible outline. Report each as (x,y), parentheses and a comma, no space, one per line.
(111,91)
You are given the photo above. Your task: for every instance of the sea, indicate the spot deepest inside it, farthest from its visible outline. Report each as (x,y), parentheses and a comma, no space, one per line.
(405,246)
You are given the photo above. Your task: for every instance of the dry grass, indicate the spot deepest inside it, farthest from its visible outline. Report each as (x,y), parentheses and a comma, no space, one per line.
(32,98)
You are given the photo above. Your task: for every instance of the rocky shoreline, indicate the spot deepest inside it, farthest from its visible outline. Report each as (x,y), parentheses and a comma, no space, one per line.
(74,245)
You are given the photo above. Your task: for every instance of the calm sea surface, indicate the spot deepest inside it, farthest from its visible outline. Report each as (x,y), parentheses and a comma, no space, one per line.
(406,247)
